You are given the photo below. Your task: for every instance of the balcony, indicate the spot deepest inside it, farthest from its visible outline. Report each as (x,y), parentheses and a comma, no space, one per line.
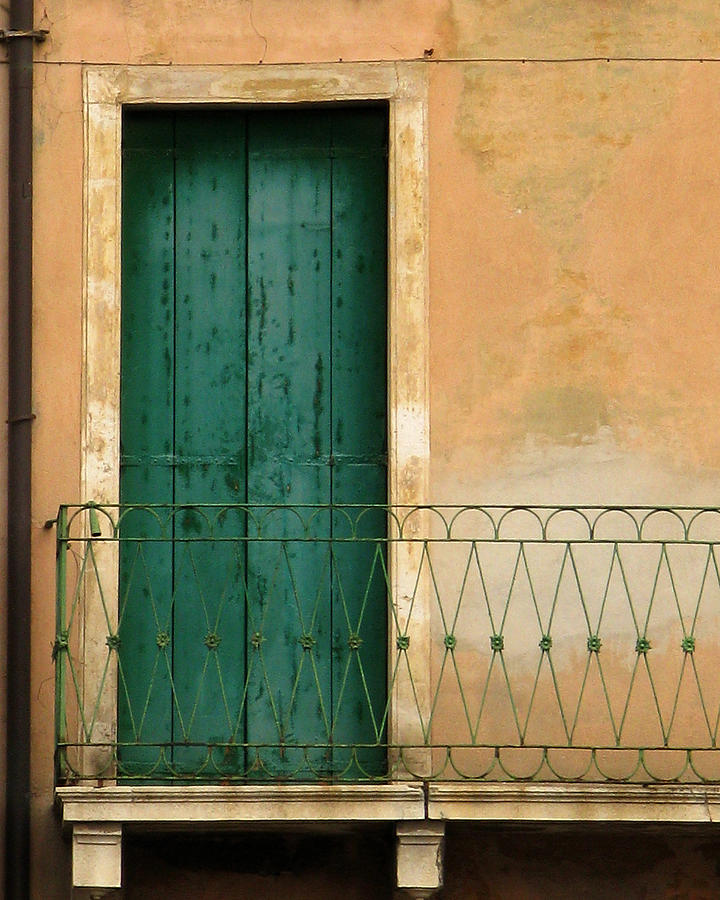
(378,662)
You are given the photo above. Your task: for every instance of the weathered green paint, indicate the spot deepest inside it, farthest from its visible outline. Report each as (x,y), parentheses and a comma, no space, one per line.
(254,370)
(359,430)
(147,409)
(210,419)
(289,243)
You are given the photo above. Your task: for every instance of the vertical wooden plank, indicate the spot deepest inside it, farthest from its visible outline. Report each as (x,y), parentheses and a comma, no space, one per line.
(210,429)
(289,427)
(359,428)
(146,431)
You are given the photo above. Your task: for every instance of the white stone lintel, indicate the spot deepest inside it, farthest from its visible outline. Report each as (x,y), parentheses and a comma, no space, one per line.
(225,805)
(668,803)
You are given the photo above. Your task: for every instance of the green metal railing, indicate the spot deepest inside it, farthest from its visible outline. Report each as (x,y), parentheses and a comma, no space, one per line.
(374,643)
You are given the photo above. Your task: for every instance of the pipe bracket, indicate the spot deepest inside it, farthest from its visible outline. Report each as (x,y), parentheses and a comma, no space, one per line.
(37,34)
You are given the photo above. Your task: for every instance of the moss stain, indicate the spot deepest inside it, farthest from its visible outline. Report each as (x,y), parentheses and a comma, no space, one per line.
(565,413)
(542,139)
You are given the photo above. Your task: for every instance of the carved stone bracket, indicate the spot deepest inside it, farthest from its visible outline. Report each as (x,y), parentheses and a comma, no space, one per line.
(97,857)
(420,858)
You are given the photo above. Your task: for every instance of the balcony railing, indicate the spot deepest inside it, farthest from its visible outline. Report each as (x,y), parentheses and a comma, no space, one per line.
(381,643)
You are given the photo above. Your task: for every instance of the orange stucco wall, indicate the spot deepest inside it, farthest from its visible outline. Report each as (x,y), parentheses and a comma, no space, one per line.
(575,203)
(574,297)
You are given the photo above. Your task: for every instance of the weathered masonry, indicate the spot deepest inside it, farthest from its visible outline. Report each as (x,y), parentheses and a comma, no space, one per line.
(265,622)
(370,407)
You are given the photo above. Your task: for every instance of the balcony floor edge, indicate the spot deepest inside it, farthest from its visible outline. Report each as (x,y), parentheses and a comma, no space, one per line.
(227,805)
(537,802)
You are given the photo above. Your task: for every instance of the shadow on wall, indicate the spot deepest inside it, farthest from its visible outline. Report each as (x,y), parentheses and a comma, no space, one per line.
(354,865)
(592,863)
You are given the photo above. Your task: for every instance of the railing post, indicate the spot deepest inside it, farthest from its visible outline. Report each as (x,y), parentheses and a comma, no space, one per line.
(99,595)
(61,641)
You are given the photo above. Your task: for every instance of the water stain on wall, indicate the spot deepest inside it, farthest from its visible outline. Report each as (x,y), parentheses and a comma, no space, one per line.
(580,207)
(560,28)
(566,412)
(547,137)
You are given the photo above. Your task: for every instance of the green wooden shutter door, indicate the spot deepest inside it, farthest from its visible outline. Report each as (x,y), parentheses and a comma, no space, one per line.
(254,360)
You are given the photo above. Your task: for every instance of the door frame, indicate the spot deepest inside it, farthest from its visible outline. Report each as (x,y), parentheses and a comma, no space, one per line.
(106,89)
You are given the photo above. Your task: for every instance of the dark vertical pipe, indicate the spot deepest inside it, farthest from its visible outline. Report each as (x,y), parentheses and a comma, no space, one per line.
(17,821)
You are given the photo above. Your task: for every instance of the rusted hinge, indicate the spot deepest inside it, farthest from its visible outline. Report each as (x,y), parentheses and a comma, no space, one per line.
(38,34)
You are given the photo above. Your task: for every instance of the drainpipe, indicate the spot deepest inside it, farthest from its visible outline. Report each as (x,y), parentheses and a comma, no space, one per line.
(19,39)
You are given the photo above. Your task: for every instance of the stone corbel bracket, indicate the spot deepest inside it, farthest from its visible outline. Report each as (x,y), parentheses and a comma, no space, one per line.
(420,847)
